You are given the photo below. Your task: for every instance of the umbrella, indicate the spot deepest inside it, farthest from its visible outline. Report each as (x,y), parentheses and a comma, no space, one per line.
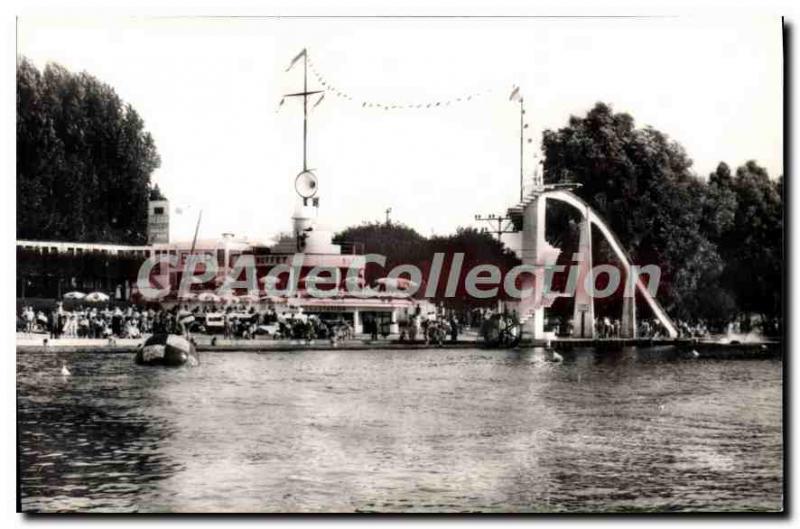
(397,283)
(249,298)
(74,295)
(209,297)
(271,299)
(96,297)
(228,297)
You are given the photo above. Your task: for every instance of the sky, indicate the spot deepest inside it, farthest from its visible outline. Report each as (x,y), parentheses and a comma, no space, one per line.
(209,90)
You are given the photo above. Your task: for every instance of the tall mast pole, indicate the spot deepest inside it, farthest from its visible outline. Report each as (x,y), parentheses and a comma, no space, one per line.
(305,93)
(196,230)
(305,109)
(521,145)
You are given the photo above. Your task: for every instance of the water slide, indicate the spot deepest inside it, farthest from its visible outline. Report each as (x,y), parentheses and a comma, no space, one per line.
(573,200)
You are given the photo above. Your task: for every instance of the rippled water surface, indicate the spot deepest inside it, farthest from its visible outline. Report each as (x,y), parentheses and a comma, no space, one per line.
(420,430)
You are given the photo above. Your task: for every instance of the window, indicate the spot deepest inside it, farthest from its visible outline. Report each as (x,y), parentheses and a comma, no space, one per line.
(158,211)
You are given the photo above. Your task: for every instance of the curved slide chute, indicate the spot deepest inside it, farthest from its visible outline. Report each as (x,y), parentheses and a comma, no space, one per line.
(578,203)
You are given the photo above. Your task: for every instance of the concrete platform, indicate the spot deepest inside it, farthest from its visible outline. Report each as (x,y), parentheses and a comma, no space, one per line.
(706,349)
(35,344)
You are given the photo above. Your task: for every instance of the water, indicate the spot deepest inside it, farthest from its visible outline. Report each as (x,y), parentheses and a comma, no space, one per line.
(423,430)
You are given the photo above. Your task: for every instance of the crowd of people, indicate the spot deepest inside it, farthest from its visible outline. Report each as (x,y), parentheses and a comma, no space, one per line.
(232,322)
(432,327)
(606,328)
(245,322)
(609,328)
(90,322)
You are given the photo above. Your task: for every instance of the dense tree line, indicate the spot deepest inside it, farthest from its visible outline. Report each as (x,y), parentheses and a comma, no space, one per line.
(403,245)
(719,241)
(84,159)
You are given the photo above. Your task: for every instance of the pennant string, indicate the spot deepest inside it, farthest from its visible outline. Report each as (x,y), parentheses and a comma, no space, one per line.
(337,92)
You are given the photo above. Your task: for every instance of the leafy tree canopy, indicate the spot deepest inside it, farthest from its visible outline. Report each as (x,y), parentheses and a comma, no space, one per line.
(718,242)
(84,159)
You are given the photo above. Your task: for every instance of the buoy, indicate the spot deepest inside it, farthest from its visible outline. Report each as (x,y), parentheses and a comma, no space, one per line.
(64,371)
(695,354)
(167,350)
(557,357)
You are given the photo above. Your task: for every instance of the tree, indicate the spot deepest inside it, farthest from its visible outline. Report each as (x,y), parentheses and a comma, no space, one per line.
(84,159)
(641,183)
(156,194)
(753,244)
(718,242)
(399,243)
(402,245)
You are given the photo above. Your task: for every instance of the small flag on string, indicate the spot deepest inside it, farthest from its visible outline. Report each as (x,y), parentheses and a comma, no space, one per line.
(297,58)
(319,100)
(283,99)
(515,95)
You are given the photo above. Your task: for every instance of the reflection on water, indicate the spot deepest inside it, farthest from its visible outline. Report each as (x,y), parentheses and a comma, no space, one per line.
(424,430)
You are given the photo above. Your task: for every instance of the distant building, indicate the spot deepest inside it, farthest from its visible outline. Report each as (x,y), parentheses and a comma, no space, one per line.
(158,221)
(49,269)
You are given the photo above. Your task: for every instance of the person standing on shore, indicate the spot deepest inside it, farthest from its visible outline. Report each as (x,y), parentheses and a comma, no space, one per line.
(29,316)
(52,323)
(453,328)
(226,325)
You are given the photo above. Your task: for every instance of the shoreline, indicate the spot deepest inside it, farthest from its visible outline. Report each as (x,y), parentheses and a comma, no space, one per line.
(752,350)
